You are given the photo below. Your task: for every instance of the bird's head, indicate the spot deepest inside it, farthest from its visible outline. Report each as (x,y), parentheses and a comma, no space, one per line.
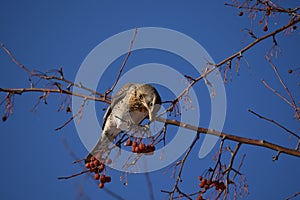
(149,98)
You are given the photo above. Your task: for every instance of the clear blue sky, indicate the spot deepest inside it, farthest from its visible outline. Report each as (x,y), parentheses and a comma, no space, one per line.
(47,34)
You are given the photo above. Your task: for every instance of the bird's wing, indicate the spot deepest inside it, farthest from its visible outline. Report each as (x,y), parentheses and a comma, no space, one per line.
(119,96)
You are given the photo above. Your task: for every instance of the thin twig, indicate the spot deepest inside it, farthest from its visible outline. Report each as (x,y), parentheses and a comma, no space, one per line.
(24,90)
(274,122)
(284,86)
(123,64)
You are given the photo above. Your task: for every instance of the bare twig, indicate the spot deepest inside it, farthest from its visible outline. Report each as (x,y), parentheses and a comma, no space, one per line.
(123,64)
(293,196)
(25,90)
(43,76)
(293,103)
(179,179)
(274,122)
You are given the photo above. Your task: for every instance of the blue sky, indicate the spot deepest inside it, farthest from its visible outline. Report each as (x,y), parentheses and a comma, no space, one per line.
(44,35)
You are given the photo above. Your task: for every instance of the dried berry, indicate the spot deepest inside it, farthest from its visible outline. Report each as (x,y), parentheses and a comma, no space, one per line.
(265,28)
(241,13)
(290,71)
(4,118)
(68,109)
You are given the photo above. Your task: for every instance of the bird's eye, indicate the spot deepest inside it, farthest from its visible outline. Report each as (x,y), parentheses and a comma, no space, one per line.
(141,97)
(150,104)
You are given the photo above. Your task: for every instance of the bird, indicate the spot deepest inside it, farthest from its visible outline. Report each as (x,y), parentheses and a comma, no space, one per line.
(132,104)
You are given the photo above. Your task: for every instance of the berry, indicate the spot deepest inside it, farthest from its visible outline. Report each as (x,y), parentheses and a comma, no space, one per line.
(241,13)
(101,167)
(134,144)
(4,118)
(96,176)
(199,197)
(290,71)
(204,181)
(265,28)
(68,109)
(201,185)
(101,185)
(133,149)
(208,182)
(141,146)
(128,143)
(96,163)
(93,158)
(107,179)
(222,186)
(137,150)
(88,165)
(102,178)
(200,178)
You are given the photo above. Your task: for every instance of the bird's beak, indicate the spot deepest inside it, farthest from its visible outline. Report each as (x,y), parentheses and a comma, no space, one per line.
(150,116)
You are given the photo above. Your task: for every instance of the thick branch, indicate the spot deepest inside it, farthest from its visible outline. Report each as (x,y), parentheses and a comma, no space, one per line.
(243,140)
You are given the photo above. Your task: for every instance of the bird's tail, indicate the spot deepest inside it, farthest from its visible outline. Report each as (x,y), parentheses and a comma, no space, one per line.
(101,147)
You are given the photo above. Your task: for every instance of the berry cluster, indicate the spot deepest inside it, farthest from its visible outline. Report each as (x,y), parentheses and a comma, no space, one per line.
(139,147)
(208,183)
(98,167)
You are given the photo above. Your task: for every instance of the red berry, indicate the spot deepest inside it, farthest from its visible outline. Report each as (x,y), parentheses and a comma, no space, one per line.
(101,167)
(101,185)
(128,143)
(265,28)
(241,13)
(133,149)
(96,176)
(199,197)
(204,181)
(137,150)
(208,182)
(107,179)
(102,178)
(201,185)
(88,165)
(134,144)
(141,146)
(200,178)
(96,163)
(93,158)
